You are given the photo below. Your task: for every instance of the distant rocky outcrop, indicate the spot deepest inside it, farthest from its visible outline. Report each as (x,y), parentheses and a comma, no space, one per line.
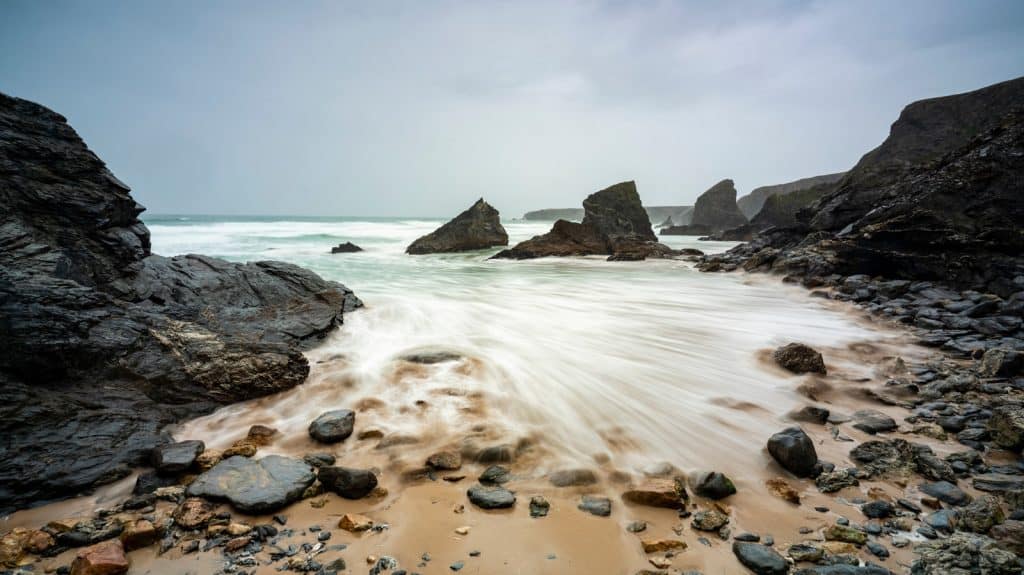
(752,203)
(941,199)
(477,228)
(715,210)
(103,343)
(346,248)
(614,224)
(778,211)
(678,214)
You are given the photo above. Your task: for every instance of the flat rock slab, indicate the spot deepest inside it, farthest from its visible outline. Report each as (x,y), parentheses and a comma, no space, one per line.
(176,457)
(255,487)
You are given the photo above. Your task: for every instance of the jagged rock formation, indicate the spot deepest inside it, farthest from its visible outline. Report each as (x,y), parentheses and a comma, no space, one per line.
(346,248)
(477,228)
(105,344)
(614,224)
(679,214)
(752,203)
(715,210)
(778,210)
(941,199)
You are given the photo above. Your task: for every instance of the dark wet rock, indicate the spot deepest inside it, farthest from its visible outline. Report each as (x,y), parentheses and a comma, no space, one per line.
(614,224)
(346,248)
(176,457)
(1006,426)
(810,414)
(104,339)
(150,481)
(477,228)
(964,553)
(898,459)
(539,507)
(491,497)
(877,549)
(760,559)
(799,358)
(946,492)
(981,514)
(872,421)
(255,486)
(495,475)
(572,477)
(600,506)
(943,520)
(319,460)
(794,451)
(348,482)
(998,482)
(430,357)
(877,509)
(333,426)
(711,484)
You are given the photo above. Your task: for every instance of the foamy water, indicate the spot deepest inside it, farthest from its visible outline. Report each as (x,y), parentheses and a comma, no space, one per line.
(624,363)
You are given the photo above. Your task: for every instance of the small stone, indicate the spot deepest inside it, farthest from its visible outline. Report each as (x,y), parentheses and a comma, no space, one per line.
(138,534)
(457,566)
(877,509)
(845,534)
(176,457)
(805,552)
(877,549)
(873,421)
(572,478)
(748,537)
(783,490)
(348,482)
(600,506)
(946,492)
(495,474)
(709,520)
(662,545)
(657,492)
(237,543)
(539,506)
(636,526)
(333,426)
(794,451)
(193,513)
(445,460)
(353,522)
(462,530)
(660,562)
(712,484)
(799,358)
(760,559)
(491,497)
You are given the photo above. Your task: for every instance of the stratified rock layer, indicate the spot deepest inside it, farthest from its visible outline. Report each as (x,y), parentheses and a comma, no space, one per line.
(477,228)
(104,343)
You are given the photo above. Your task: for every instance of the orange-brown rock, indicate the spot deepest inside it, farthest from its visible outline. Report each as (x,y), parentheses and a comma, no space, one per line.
(657,492)
(783,490)
(38,542)
(660,545)
(354,522)
(193,513)
(139,534)
(105,558)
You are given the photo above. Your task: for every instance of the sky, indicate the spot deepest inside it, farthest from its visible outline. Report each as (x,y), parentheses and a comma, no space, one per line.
(419,108)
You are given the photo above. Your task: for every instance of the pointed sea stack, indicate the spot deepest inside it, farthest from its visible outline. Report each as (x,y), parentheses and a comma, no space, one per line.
(477,228)
(715,210)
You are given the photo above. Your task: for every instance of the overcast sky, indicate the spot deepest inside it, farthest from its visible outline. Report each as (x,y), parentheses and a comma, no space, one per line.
(418,108)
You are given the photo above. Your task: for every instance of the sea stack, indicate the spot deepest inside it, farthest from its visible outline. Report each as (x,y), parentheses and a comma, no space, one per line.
(614,224)
(715,210)
(477,228)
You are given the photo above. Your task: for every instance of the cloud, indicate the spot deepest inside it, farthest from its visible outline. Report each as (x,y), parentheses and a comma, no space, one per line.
(418,108)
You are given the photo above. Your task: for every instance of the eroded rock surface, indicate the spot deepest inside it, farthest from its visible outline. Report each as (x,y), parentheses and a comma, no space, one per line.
(102,339)
(477,228)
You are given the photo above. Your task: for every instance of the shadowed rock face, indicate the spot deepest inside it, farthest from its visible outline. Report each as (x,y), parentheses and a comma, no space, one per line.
(715,210)
(477,228)
(941,199)
(614,224)
(105,344)
(752,203)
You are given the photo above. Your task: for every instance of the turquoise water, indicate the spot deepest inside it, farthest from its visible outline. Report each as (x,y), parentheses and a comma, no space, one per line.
(629,362)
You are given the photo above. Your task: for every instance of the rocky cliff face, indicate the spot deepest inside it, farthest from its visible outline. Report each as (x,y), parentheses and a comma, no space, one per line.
(104,343)
(614,224)
(679,214)
(752,203)
(477,228)
(941,199)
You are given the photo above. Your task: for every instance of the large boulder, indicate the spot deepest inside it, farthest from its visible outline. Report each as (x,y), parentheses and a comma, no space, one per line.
(255,486)
(794,451)
(614,224)
(101,338)
(477,228)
